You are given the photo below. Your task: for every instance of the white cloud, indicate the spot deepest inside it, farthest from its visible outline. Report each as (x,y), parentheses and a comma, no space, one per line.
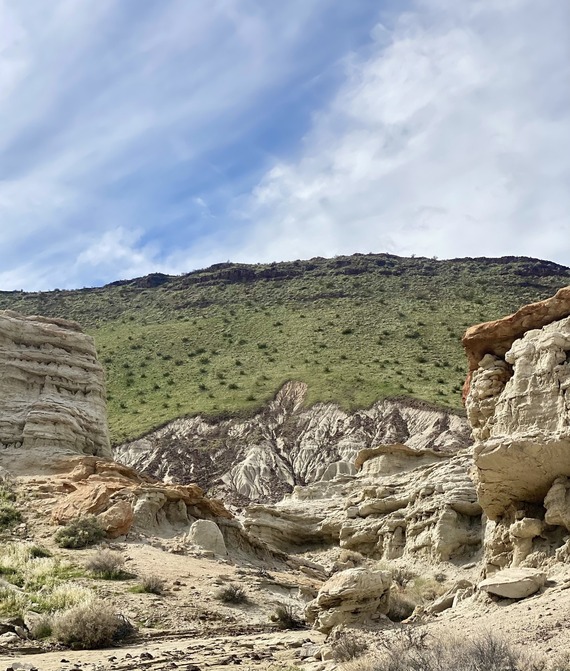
(451,137)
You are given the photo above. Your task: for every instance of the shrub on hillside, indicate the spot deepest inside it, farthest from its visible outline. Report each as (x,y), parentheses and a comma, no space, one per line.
(107,565)
(412,650)
(80,533)
(286,618)
(9,514)
(91,626)
(232,594)
(150,584)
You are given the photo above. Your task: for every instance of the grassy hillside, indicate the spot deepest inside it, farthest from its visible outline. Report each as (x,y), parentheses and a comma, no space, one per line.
(222,340)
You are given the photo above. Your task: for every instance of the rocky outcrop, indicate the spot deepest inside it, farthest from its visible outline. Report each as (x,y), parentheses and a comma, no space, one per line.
(396,505)
(123,499)
(498,336)
(287,444)
(519,408)
(354,595)
(52,390)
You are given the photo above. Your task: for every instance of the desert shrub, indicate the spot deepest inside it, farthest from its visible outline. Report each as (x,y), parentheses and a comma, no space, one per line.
(6,492)
(410,650)
(39,552)
(107,565)
(41,627)
(348,646)
(91,626)
(9,514)
(150,584)
(80,533)
(232,593)
(285,617)
(402,575)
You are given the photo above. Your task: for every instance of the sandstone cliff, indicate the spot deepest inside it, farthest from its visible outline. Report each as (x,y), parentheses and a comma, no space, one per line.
(52,389)
(286,444)
(519,409)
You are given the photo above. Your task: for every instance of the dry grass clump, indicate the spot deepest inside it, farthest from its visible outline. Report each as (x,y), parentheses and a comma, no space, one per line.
(34,581)
(150,584)
(285,617)
(413,651)
(107,565)
(80,533)
(232,594)
(346,647)
(91,626)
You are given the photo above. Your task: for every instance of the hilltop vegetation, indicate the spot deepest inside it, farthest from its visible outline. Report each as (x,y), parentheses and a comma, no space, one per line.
(222,340)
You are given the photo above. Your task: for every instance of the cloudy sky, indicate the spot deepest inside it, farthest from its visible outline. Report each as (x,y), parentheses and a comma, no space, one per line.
(167,135)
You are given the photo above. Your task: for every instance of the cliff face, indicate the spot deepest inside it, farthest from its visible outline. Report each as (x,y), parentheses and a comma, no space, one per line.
(519,407)
(264,457)
(52,387)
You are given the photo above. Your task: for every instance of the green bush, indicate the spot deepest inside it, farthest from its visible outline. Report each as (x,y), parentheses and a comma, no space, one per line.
(80,533)
(9,515)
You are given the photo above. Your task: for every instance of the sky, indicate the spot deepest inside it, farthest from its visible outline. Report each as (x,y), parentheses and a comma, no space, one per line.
(167,135)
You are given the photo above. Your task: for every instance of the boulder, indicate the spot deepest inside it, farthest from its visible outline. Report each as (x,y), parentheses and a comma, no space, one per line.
(354,595)
(118,519)
(514,583)
(207,535)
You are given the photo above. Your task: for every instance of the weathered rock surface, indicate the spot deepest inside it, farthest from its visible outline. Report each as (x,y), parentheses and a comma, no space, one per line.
(354,595)
(52,389)
(519,407)
(286,444)
(117,493)
(497,337)
(397,505)
(513,583)
(207,535)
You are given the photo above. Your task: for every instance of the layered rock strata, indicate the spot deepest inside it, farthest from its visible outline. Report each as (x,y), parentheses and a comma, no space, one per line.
(286,444)
(52,388)
(401,503)
(519,408)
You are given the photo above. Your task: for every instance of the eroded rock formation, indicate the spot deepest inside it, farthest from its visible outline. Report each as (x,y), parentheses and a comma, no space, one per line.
(52,388)
(519,407)
(354,595)
(401,503)
(263,458)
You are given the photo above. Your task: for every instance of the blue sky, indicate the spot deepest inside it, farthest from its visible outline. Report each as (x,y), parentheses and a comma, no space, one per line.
(166,135)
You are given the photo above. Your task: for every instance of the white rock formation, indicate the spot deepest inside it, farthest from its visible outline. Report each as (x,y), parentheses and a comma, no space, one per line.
(354,595)
(52,389)
(519,407)
(206,535)
(286,444)
(398,504)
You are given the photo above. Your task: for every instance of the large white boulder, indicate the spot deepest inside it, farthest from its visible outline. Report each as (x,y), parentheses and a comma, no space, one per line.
(207,535)
(514,583)
(354,595)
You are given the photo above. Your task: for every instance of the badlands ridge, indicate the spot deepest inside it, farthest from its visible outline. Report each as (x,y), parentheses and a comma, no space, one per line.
(338,505)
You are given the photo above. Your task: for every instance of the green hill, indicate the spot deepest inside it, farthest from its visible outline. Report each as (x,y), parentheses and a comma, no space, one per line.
(355,328)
